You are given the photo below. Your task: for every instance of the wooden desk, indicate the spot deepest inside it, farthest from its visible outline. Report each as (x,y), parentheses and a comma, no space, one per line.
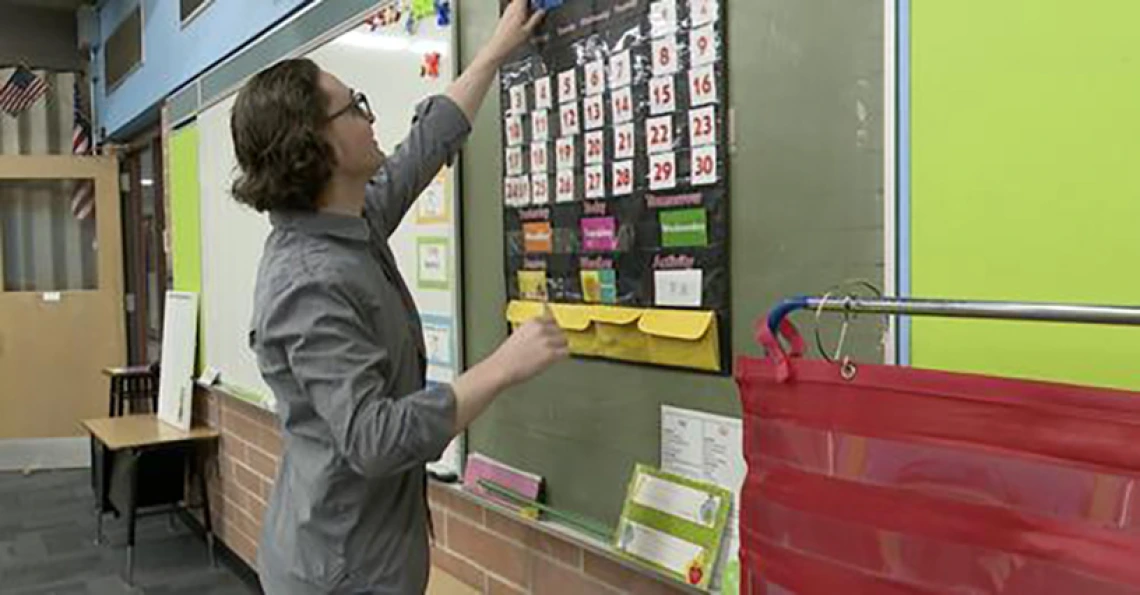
(128,371)
(130,440)
(142,430)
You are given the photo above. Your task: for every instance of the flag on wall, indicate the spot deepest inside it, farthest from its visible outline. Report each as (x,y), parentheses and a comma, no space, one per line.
(83,197)
(22,90)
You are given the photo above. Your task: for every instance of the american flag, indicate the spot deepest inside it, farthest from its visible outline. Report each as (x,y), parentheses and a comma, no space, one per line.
(22,90)
(83,196)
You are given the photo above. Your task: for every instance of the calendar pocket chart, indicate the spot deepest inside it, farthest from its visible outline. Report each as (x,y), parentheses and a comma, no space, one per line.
(615,179)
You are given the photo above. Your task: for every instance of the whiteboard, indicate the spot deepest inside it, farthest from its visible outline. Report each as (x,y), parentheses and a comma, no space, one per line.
(179,338)
(385,64)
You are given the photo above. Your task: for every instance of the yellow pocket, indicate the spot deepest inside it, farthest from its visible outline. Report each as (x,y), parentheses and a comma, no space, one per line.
(682,338)
(617,333)
(576,322)
(518,312)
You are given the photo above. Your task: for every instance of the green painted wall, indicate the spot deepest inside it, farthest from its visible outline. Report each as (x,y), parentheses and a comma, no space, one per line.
(806,84)
(1026,180)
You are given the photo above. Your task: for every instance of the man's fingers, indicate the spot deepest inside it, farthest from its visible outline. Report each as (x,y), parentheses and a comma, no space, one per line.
(534,21)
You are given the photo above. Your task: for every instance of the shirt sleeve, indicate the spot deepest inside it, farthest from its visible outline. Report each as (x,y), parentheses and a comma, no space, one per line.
(439,129)
(344,370)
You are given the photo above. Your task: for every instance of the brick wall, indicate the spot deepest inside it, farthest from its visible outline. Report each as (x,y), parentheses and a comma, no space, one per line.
(242,474)
(481,547)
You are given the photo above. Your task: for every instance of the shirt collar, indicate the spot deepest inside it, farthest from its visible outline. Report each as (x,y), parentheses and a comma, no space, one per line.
(335,225)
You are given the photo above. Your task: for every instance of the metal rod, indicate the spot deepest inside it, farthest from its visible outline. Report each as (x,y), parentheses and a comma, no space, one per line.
(1074,313)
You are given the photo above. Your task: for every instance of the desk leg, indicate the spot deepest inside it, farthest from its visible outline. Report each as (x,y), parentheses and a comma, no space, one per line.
(207,520)
(132,499)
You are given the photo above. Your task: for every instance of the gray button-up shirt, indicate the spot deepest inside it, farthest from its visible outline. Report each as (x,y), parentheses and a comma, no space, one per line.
(338,340)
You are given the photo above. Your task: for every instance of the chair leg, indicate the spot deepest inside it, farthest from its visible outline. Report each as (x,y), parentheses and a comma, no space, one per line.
(207,520)
(132,513)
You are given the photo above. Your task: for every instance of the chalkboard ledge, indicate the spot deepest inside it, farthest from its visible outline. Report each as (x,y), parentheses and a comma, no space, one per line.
(453,499)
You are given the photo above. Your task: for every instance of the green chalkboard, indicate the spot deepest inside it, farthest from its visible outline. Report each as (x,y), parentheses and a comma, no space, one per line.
(807,161)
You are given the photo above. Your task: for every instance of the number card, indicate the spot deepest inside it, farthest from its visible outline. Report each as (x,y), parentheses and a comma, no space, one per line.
(621,70)
(514,161)
(659,134)
(595,77)
(702,126)
(517,191)
(565,153)
(704,166)
(702,46)
(623,178)
(564,186)
(663,171)
(543,97)
(518,99)
(665,56)
(624,147)
(570,122)
(568,86)
(662,18)
(595,147)
(514,130)
(539,160)
(540,189)
(595,112)
(622,101)
(595,181)
(540,126)
(702,86)
(704,12)
(662,95)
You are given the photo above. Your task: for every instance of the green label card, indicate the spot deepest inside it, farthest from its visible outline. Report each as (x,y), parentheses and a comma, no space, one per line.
(674,524)
(684,229)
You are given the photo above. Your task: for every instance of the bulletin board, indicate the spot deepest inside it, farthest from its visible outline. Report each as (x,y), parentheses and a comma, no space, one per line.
(1024,142)
(615,180)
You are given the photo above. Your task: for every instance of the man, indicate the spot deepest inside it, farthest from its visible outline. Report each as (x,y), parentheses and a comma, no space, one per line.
(336,332)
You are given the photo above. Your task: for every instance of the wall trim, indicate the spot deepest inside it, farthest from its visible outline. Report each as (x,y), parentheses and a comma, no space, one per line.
(35,454)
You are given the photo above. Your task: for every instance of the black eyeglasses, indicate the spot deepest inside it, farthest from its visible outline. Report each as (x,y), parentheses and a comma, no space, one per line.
(358,104)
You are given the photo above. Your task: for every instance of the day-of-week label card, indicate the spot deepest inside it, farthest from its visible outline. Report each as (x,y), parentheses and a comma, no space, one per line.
(599,234)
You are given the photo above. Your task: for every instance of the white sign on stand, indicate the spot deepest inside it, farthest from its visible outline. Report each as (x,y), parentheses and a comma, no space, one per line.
(179,341)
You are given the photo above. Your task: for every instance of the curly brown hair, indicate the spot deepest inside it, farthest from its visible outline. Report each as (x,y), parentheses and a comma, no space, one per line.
(277,124)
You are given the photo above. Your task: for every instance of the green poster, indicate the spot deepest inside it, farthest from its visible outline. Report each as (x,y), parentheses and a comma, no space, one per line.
(422,9)
(674,524)
(684,229)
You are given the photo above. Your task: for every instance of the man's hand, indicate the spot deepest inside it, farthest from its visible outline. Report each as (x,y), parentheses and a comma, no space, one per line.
(516,26)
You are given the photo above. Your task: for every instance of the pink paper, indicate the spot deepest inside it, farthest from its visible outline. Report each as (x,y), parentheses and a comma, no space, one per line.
(599,234)
(481,467)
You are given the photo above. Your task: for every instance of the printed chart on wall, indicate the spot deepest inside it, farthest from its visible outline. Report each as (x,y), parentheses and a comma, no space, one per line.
(615,179)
